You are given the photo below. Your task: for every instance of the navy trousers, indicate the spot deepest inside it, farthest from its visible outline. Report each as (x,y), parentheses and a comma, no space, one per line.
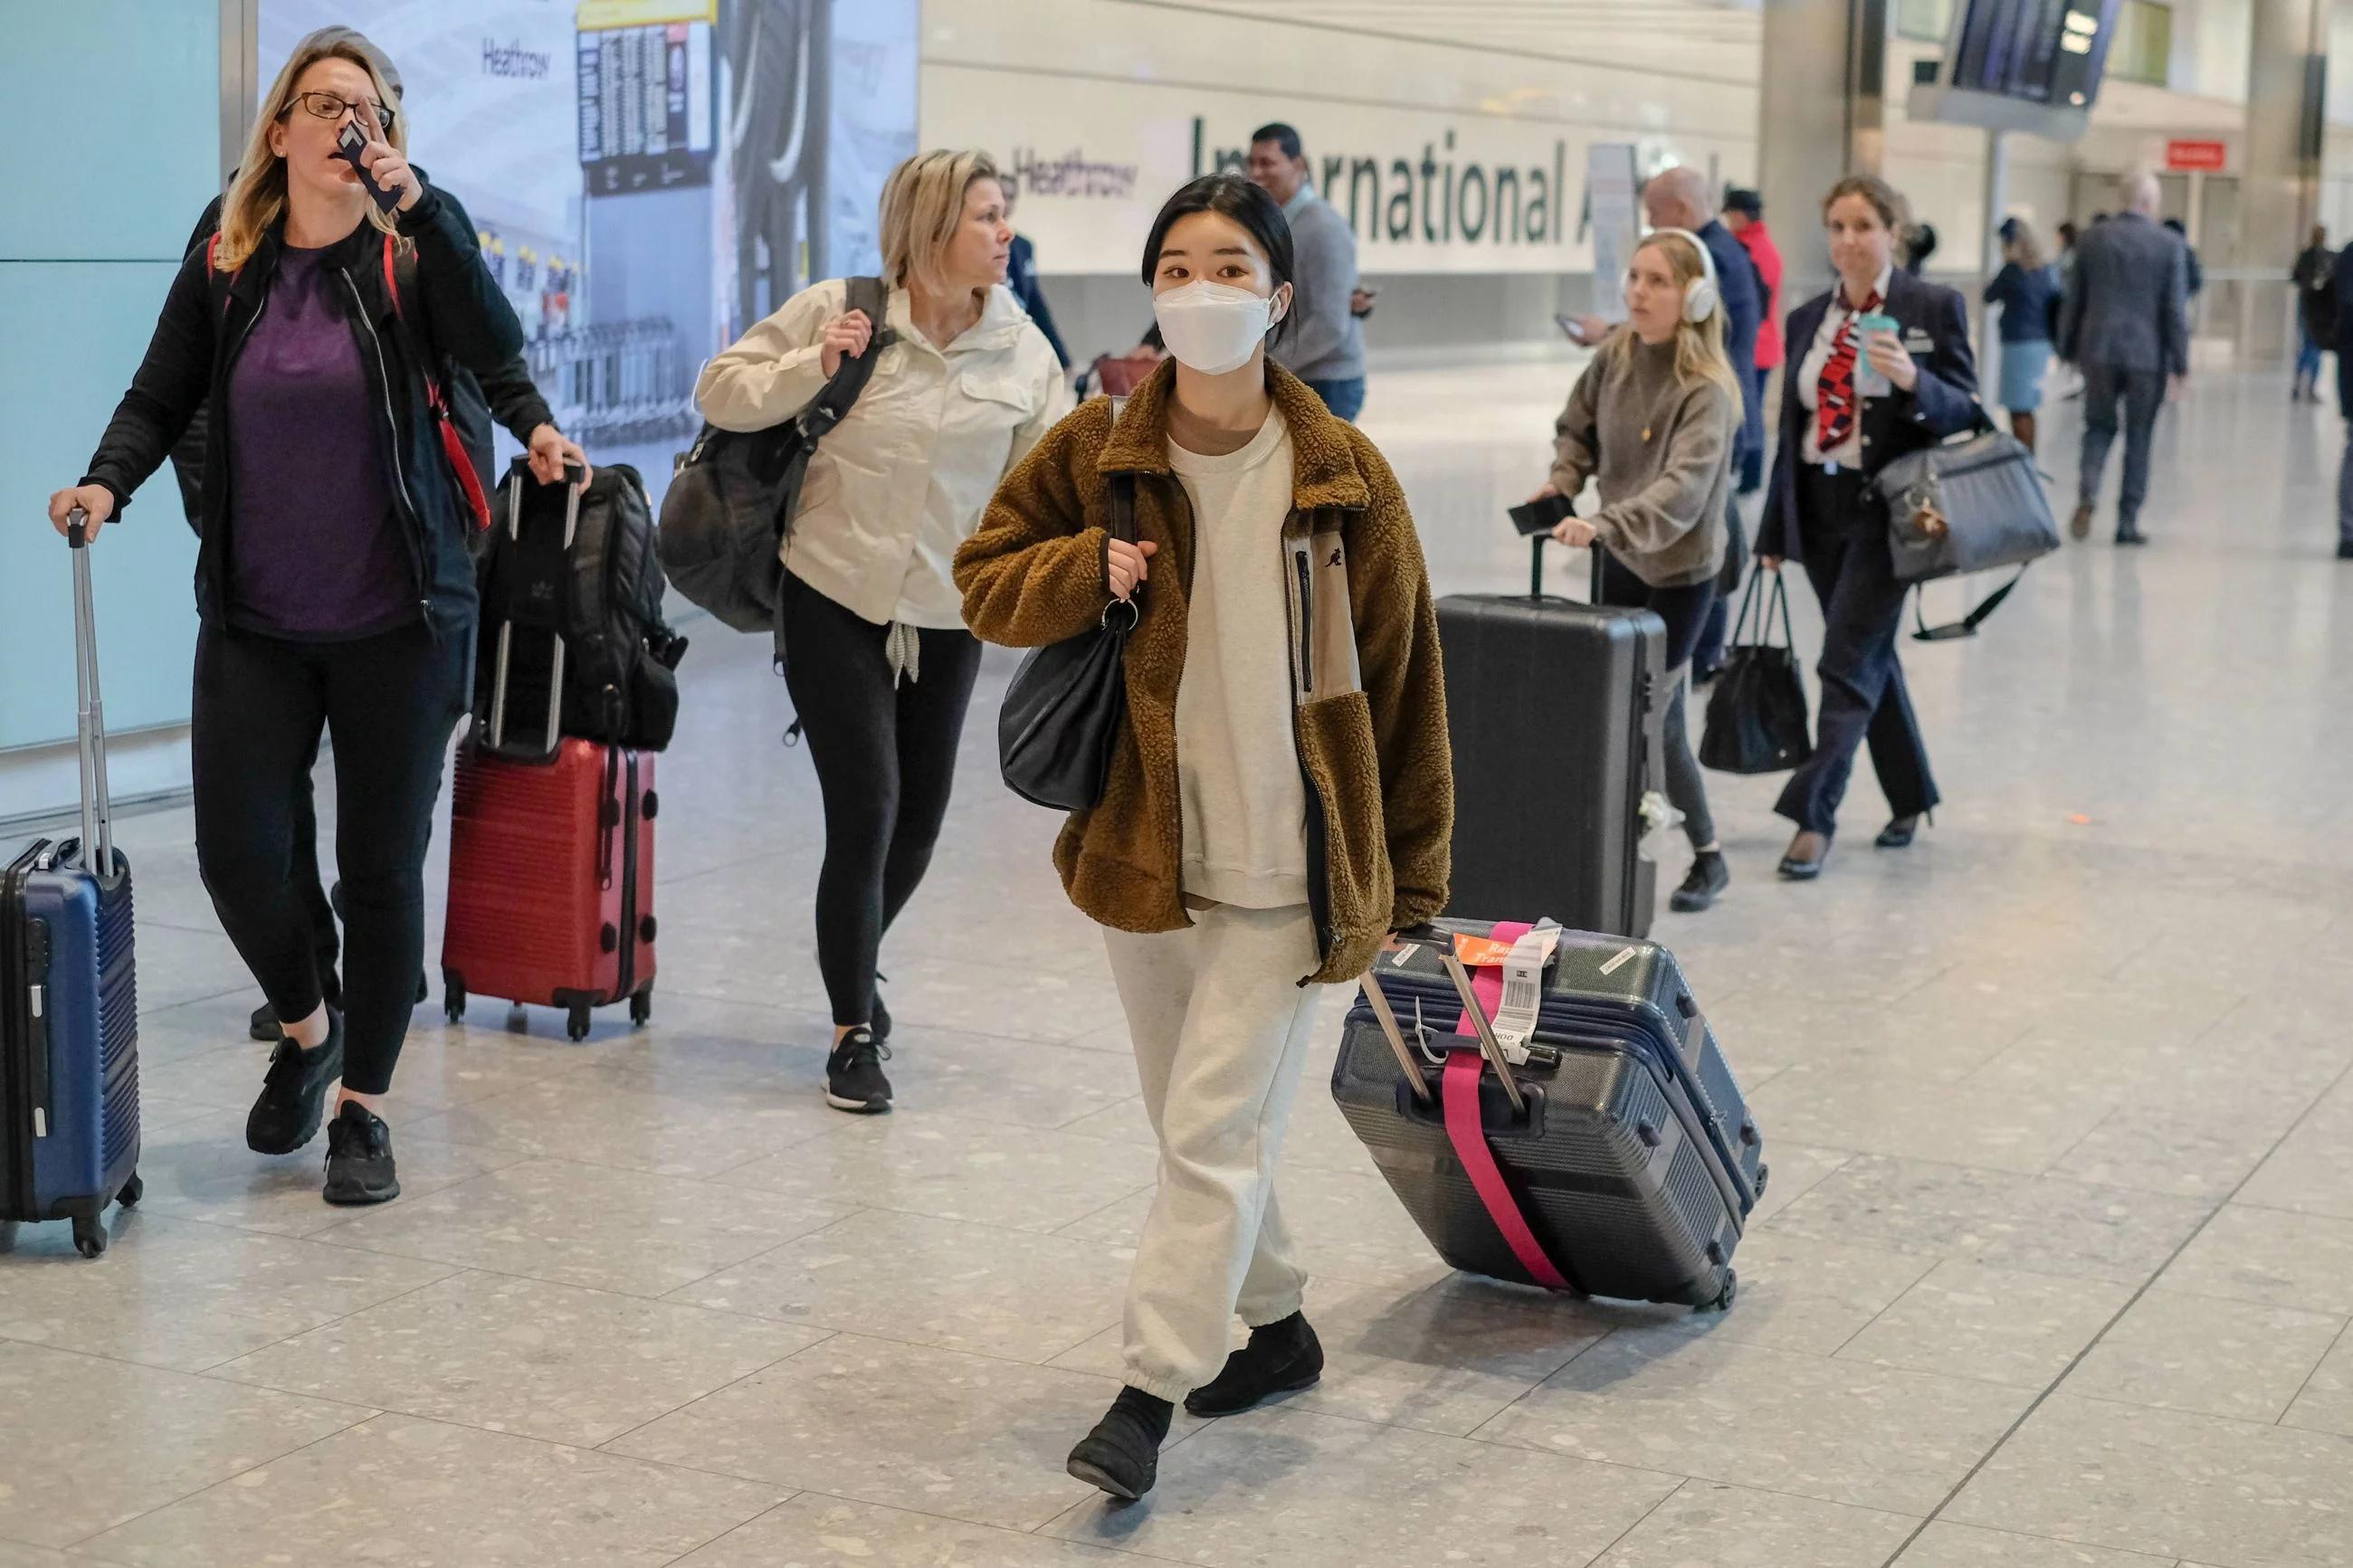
(1844,533)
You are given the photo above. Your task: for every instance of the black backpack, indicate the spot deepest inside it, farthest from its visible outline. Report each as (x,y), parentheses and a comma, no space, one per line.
(603,596)
(733,493)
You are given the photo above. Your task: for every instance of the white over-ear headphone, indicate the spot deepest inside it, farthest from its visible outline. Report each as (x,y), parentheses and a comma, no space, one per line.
(1700,299)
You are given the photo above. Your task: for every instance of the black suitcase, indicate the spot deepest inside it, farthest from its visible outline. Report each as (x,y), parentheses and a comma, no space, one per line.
(1554,711)
(1616,1157)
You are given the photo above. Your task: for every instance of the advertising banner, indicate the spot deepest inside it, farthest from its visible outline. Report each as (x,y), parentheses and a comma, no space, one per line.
(646,177)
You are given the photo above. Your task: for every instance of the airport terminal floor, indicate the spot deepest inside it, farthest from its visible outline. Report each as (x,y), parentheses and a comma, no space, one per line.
(2055,1266)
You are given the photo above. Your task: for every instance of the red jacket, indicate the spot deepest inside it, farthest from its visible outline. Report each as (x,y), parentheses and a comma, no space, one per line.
(1767,258)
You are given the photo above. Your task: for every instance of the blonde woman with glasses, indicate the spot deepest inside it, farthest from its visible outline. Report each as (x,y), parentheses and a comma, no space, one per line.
(333,580)
(876,655)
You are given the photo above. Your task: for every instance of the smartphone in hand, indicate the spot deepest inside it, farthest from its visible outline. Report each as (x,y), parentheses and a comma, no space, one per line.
(1570,329)
(352,148)
(1532,518)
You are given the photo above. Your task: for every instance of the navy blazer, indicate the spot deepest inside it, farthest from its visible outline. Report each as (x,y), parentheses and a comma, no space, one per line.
(1943,403)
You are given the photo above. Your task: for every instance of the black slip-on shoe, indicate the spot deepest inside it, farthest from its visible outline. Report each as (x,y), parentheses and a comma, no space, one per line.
(2130,534)
(1708,877)
(1121,1455)
(263,1025)
(294,1091)
(853,1074)
(359,1158)
(1280,1358)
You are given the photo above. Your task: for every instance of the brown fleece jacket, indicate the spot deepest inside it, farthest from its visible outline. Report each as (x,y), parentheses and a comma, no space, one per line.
(1368,699)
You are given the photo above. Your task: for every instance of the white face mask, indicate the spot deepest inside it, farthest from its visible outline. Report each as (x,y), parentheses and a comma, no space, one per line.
(1211,326)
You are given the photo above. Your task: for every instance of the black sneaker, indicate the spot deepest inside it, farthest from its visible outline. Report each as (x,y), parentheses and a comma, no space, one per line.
(1280,1358)
(1121,1455)
(286,1115)
(853,1074)
(263,1025)
(359,1158)
(1708,877)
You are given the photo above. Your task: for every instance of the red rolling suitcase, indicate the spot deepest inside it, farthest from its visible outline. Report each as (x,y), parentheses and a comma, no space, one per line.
(551,838)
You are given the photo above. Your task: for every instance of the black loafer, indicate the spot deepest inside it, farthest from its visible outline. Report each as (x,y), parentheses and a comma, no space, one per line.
(1898,834)
(1280,1358)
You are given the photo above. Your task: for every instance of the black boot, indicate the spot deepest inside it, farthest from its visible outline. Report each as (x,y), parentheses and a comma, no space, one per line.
(1121,1455)
(1708,877)
(1280,1358)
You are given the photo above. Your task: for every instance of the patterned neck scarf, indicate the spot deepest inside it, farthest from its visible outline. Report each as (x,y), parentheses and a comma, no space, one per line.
(1834,400)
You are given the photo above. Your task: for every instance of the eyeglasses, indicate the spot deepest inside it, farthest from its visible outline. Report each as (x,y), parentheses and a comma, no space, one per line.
(332,106)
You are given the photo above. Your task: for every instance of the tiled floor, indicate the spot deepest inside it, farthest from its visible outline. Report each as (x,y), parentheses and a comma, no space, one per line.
(2055,1270)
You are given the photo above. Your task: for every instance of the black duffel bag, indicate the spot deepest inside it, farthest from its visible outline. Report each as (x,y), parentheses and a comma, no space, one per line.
(1068,703)
(732,494)
(1757,711)
(1970,505)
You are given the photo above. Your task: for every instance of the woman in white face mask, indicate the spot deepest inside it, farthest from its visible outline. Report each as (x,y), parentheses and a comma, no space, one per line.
(1280,800)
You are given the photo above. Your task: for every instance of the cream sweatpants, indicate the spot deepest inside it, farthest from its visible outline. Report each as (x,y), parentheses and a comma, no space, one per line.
(1220,1025)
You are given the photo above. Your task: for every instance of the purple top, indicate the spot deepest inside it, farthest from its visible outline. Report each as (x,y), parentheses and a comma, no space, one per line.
(316,550)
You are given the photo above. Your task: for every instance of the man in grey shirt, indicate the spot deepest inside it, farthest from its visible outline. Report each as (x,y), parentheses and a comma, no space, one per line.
(2123,322)
(1324,345)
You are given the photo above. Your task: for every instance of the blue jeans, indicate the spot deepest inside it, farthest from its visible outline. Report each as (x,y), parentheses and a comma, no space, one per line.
(1344,398)
(2307,353)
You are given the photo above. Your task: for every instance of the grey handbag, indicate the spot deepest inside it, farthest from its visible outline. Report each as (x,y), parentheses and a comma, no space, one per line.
(1965,506)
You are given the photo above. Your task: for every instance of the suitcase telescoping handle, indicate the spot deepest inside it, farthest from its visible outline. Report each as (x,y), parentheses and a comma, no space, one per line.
(1383,1014)
(97,808)
(1492,1047)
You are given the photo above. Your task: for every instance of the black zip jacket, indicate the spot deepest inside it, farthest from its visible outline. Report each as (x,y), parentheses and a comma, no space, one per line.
(457,314)
(510,396)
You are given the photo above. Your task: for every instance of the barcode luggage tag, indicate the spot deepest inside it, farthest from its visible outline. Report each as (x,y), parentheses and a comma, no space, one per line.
(1523,963)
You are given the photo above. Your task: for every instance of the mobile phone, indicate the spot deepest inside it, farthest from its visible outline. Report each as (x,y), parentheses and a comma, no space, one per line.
(1569,328)
(352,148)
(1532,518)
(1868,381)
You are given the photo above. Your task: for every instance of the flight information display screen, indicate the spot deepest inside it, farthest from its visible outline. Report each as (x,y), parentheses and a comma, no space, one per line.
(2042,51)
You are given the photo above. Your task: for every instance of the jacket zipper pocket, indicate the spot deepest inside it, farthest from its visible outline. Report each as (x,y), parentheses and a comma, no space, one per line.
(1300,560)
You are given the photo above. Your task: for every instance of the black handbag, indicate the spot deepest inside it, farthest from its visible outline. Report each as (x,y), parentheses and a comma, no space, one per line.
(1068,703)
(732,494)
(1756,714)
(1965,506)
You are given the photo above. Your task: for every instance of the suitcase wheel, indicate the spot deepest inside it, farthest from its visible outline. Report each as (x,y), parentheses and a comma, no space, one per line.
(575,1022)
(90,1236)
(641,1007)
(1725,1297)
(133,1191)
(1764,1174)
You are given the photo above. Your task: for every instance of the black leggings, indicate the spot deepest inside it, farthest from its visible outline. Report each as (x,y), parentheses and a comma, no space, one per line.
(389,702)
(1686,610)
(885,755)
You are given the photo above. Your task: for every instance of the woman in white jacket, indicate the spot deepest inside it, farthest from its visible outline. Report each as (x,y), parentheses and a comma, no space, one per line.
(877,657)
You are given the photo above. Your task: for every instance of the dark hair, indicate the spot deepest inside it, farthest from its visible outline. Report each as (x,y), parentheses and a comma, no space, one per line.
(1229,195)
(1282,135)
(1742,200)
(2067,232)
(2175,225)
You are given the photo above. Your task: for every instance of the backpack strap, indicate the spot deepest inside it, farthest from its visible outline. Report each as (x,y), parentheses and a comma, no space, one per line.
(453,446)
(831,405)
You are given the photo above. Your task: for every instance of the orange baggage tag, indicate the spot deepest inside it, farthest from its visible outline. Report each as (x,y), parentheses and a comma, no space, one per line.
(1481,952)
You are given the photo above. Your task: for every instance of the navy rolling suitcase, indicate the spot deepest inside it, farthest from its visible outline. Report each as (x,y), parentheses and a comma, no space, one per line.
(69,998)
(1554,711)
(1579,1130)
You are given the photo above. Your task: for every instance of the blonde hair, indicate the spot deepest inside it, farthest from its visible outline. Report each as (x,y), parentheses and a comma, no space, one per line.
(257,197)
(2026,246)
(923,203)
(1699,345)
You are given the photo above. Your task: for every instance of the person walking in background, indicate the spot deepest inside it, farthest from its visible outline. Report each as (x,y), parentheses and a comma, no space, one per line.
(1269,818)
(1919,245)
(1652,418)
(2197,281)
(2125,324)
(2314,278)
(1021,276)
(1324,344)
(2340,322)
(2028,290)
(1822,512)
(1744,215)
(334,588)
(876,656)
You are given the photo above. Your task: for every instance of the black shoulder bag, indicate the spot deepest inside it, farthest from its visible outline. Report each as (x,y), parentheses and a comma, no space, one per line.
(1068,703)
(732,494)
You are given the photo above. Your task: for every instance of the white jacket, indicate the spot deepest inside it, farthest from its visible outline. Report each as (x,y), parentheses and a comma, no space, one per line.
(899,484)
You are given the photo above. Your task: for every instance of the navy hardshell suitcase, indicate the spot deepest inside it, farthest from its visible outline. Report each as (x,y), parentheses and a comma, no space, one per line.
(1554,715)
(1606,1151)
(69,998)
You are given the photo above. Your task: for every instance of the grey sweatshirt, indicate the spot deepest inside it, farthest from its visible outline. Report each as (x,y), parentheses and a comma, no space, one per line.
(1661,448)
(1325,341)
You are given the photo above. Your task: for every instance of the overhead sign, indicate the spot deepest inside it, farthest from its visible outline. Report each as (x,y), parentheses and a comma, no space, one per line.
(2206,156)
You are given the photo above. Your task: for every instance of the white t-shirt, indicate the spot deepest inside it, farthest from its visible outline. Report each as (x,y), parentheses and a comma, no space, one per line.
(1847,453)
(1244,799)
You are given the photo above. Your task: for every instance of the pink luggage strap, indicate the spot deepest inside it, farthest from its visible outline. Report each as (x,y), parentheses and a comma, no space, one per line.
(1465,1130)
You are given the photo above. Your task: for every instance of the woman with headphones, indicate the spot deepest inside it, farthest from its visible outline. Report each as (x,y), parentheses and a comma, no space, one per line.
(1653,419)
